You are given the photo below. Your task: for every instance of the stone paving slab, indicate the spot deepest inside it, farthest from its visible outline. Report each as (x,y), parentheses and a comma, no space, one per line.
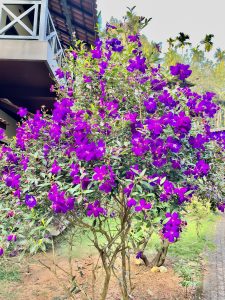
(214,279)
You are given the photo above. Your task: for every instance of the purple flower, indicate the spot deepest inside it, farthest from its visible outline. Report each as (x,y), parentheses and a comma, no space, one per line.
(159,163)
(133,38)
(175,164)
(96,53)
(10,214)
(106,175)
(46,150)
(221,206)
(150,106)
(182,124)
(2,134)
(171,233)
(171,229)
(157,85)
(22,112)
(132,117)
(138,63)
(131,173)
(74,54)
(70,92)
(110,26)
(1,251)
(107,186)
(155,126)
(164,197)
(59,73)
(91,151)
(143,205)
(174,145)
(168,187)
(102,67)
(30,201)
(128,189)
(112,107)
(75,170)
(12,180)
(198,141)
(17,193)
(60,203)
(139,255)
(12,157)
(62,109)
(180,70)
(131,202)
(95,209)
(100,172)
(114,44)
(11,238)
(24,162)
(201,169)
(108,55)
(206,108)
(98,43)
(55,132)
(84,182)
(87,79)
(167,100)
(180,192)
(140,145)
(55,169)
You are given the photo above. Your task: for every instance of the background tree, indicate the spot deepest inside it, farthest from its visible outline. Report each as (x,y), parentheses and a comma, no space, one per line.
(219,55)
(182,40)
(207,42)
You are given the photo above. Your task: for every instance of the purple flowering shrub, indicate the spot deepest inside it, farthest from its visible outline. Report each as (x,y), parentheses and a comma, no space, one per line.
(124,149)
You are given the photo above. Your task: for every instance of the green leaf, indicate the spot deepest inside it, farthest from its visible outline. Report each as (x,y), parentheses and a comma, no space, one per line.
(139,188)
(88,191)
(146,185)
(156,220)
(189,192)
(162,180)
(142,173)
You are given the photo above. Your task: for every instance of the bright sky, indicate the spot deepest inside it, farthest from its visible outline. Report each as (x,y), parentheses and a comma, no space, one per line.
(193,17)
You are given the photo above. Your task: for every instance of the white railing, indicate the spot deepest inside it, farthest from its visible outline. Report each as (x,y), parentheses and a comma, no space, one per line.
(29,20)
(53,40)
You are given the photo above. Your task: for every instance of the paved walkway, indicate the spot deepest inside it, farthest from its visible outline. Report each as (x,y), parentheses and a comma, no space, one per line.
(214,281)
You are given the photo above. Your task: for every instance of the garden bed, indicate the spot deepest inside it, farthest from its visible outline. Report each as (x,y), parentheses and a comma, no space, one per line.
(32,281)
(40,284)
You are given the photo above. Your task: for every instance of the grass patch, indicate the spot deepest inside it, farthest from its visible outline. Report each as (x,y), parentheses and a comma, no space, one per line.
(192,243)
(9,273)
(187,252)
(81,246)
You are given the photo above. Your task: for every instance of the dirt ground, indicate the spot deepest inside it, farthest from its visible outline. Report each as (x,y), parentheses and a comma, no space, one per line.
(39,283)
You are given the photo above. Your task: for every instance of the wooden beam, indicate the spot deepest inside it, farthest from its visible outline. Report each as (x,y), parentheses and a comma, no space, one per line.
(24,92)
(74,23)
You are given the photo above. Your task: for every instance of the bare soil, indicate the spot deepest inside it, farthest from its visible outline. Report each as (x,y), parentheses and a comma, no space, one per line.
(39,283)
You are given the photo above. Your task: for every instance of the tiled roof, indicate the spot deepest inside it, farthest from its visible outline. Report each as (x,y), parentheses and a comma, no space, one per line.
(79,16)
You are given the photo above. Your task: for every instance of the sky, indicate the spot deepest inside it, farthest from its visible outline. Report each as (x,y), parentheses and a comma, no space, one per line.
(169,17)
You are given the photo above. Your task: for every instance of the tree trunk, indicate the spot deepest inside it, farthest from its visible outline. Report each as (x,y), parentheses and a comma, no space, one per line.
(145,260)
(124,274)
(160,258)
(105,286)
